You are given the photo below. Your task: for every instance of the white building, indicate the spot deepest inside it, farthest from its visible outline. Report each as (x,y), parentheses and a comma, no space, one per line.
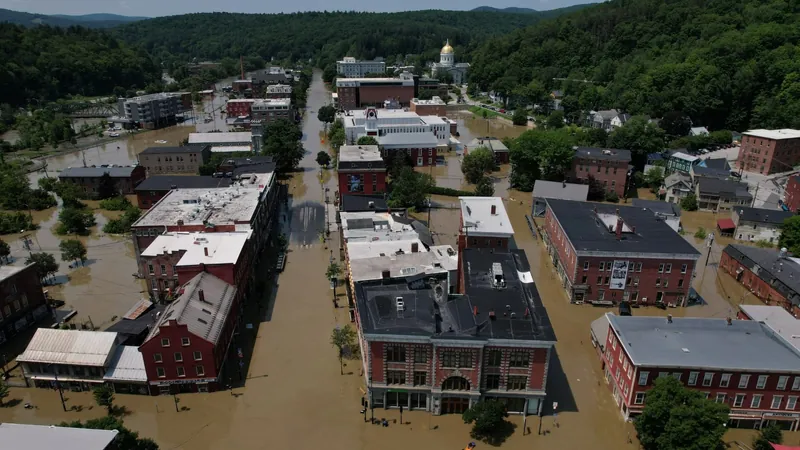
(228,139)
(350,67)
(269,109)
(379,123)
(447,64)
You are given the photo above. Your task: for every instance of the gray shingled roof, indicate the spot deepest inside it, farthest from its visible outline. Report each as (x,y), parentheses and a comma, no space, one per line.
(714,186)
(559,190)
(783,274)
(657,206)
(760,215)
(92,172)
(691,343)
(205,317)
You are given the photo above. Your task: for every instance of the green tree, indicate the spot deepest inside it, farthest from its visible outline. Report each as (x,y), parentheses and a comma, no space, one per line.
(106,188)
(675,123)
(488,420)
(597,192)
(484,187)
(282,142)
(640,137)
(329,73)
(654,178)
(367,140)
(612,197)
(207,170)
(551,151)
(323,158)
(768,434)
(326,114)
(75,221)
(555,120)
(48,184)
(4,391)
(701,233)
(519,117)
(410,189)
(572,109)
(46,265)
(125,439)
(478,162)
(337,139)
(73,250)
(104,396)
(123,224)
(5,251)
(120,203)
(790,235)
(676,417)
(689,203)
(344,339)
(333,271)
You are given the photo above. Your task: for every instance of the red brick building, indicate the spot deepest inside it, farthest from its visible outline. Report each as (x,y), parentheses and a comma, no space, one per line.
(421,148)
(484,223)
(22,300)
(791,195)
(125,178)
(768,274)
(357,93)
(154,188)
(605,254)
(188,346)
(609,167)
(239,107)
(361,170)
(769,151)
(434,362)
(742,363)
(433,107)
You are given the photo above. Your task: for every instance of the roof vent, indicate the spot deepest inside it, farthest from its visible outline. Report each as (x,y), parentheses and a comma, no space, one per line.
(685,350)
(401,305)
(498,281)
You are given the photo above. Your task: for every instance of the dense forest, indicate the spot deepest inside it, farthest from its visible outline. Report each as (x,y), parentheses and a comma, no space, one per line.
(728,64)
(87,20)
(47,63)
(321,36)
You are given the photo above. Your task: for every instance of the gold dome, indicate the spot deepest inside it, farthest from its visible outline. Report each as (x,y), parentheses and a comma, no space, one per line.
(447,49)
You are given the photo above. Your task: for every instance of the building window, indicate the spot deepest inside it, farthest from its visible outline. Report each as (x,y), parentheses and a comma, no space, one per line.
(151,269)
(163,269)
(756,401)
(638,267)
(791,402)
(643,378)
(181,371)
(680,282)
(744,380)
(584,279)
(185,341)
(602,266)
(738,400)
(796,384)
(725,380)
(683,268)
(782,382)
(776,401)
(516,383)
(420,355)
(668,268)
(492,381)
(494,358)
(160,372)
(420,378)
(165,342)
(198,356)
(599,280)
(658,282)
(661,268)
(200,371)
(456,359)
(639,400)
(708,377)
(762,382)
(395,377)
(175,271)
(395,353)
(677,375)
(586,265)
(519,359)
(178,357)
(601,294)
(157,357)
(720,398)
(693,378)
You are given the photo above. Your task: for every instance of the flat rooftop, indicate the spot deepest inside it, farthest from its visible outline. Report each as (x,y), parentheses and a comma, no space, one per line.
(436,100)
(611,154)
(485,216)
(742,345)
(371,226)
(493,144)
(385,248)
(220,138)
(96,172)
(231,148)
(169,182)
(201,248)
(268,102)
(359,153)
(405,265)
(566,191)
(684,156)
(783,133)
(778,320)
(591,227)
(9,271)
(36,437)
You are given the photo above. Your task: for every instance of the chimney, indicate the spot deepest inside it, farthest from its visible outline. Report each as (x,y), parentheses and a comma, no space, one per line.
(730,322)
(633,228)
(619,228)
(385,274)
(205,250)
(414,247)
(201,295)
(669,318)
(180,222)
(563,184)
(494,210)
(474,310)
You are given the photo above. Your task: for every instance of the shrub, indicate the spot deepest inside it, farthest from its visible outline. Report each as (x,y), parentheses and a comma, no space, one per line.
(115,204)
(701,233)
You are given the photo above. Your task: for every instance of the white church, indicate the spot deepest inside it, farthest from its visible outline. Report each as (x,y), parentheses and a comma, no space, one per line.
(447,63)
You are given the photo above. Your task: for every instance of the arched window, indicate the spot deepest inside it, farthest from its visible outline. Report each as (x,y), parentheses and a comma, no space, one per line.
(455,384)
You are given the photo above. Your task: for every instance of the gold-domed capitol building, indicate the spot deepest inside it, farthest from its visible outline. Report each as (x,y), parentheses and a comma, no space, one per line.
(447,64)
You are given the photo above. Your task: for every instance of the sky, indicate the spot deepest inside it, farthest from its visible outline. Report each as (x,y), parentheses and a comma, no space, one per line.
(153,8)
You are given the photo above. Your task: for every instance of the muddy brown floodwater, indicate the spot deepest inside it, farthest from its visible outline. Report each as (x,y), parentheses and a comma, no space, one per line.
(295,397)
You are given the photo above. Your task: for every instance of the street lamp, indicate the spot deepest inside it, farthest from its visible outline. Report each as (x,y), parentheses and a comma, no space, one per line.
(60,391)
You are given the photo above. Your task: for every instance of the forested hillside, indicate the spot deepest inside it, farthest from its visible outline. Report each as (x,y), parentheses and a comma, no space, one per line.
(731,64)
(60,20)
(47,63)
(322,36)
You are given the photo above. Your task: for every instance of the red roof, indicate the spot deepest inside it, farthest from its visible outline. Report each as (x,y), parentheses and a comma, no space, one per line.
(726,224)
(783,447)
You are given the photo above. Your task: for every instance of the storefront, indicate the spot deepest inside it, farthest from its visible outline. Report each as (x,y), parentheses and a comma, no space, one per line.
(171,387)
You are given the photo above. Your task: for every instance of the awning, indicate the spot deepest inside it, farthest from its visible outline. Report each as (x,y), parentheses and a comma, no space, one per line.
(726,224)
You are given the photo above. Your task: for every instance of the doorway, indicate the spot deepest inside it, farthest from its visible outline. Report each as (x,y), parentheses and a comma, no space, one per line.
(454,405)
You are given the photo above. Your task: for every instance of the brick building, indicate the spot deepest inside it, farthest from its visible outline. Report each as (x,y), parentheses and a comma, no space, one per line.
(278,91)
(744,364)
(422,149)
(22,301)
(356,93)
(433,107)
(605,254)
(238,107)
(125,178)
(267,110)
(425,349)
(758,224)
(769,151)
(361,170)
(154,188)
(188,159)
(770,275)
(494,145)
(176,257)
(188,346)
(609,167)
(791,195)
(484,223)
